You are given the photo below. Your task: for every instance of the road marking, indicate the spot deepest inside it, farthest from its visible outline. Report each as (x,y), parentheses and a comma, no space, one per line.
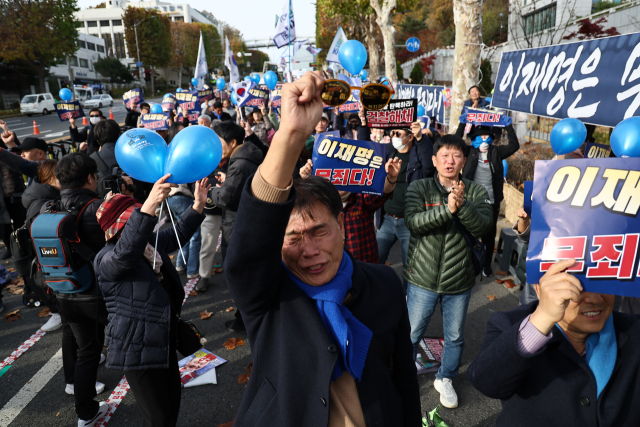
(24,347)
(56,134)
(13,407)
(26,127)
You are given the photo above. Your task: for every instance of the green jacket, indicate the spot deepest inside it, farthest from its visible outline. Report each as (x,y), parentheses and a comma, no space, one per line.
(439,257)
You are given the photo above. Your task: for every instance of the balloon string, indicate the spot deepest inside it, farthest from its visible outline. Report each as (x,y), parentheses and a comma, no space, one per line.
(155,248)
(178,238)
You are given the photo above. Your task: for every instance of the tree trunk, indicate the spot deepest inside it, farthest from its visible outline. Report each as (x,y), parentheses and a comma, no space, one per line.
(372,47)
(388,31)
(467,17)
(180,75)
(153,82)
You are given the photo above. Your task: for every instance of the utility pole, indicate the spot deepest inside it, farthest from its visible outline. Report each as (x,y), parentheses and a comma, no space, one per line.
(140,66)
(70,71)
(501,26)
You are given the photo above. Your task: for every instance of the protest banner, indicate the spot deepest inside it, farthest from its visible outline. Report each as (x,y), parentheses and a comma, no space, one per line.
(398,113)
(587,209)
(132,98)
(430,97)
(257,98)
(323,135)
(351,106)
(67,110)
(594,151)
(528,197)
(205,94)
(156,121)
(187,100)
(192,115)
(276,98)
(350,165)
(425,124)
(594,81)
(482,117)
(168,103)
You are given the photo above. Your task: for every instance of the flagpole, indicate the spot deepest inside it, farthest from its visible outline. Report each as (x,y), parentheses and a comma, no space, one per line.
(289,16)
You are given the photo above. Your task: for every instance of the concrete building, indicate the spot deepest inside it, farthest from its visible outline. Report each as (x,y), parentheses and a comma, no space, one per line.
(90,49)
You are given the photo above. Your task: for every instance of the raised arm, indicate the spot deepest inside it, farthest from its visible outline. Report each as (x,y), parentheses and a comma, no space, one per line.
(507,150)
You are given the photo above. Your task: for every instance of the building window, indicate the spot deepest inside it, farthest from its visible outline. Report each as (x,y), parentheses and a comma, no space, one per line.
(172,9)
(84,63)
(108,44)
(540,20)
(179,7)
(117,22)
(118,45)
(92,23)
(82,44)
(179,18)
(73,61)
(100,48)
(91,46)
(104,23)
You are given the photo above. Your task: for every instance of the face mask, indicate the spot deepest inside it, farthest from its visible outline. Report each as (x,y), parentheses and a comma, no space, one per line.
(477,141)
(397,143)
(94,120)
(353,126)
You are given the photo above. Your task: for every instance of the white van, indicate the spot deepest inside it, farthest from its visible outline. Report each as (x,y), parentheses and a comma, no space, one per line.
(37,103)
(84,93)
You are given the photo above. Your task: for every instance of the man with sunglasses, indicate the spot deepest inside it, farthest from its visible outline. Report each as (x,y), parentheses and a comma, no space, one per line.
(415,150)
(86,134)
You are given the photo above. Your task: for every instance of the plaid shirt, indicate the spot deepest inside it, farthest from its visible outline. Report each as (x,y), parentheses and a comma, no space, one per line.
(359,229)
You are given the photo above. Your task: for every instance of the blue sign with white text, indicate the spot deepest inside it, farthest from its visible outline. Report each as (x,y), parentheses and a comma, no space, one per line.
(67,110)
(413,44)
(430,97)
(351,165)
(595,81)
(587,209)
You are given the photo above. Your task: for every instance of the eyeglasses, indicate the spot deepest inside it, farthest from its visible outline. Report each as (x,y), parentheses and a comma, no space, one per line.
(397,133)
(94,116)
(374,96)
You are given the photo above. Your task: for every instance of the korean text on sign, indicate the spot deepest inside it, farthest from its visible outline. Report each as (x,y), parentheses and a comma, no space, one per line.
(588,210)
(132,98)
(398,113)
(69,110)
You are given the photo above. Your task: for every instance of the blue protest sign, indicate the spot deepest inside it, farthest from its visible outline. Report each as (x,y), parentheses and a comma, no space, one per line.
(351,106)
(257,98)
(132,98)
(398,113)
(594,81)
(430,97)
(587,209)
(156,121)
(413,44)
(528,195)
(481,117)
(192,115)
(276,99)
(169,103)
(67,110)
(323,135)
(350,165)
(205,94)
(353,82)
(187,100)
(594,151)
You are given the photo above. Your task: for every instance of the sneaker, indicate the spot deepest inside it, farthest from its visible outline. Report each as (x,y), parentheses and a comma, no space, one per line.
(54,323)
(103,358)
(487,272)
(70,389)
(180,269)
(192,276)
(235,326)
(203,284)
(448,396)
(102,410)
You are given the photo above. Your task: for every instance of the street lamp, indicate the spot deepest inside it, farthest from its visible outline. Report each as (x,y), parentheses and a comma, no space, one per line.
(501,26)
(140,67)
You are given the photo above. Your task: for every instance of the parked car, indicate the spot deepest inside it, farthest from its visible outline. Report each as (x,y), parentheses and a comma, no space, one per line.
(98,101)
(38,103)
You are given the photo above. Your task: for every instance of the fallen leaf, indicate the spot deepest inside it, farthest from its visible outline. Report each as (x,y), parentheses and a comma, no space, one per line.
(13,316)
(244,378)
(57,414)
(229,424)
(491,297)
(501,273)
(218,270)
(193,293)
(205,315)
(229,309)
(233,343)
(44,313)
(15,289)
(509,284)
(499,281)
(17,282)
(11,269)
(171,256)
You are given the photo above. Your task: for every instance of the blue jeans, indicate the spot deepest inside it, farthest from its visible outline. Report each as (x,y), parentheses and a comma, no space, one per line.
(391,230)
(421,304)
(191,251)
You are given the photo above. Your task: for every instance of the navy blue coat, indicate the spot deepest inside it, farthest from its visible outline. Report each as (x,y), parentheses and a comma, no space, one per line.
(293,354)
(138,305)
(555,386)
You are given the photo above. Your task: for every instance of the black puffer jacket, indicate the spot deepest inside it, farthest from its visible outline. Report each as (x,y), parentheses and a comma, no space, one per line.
(139,305)
(88,228)
(35,196)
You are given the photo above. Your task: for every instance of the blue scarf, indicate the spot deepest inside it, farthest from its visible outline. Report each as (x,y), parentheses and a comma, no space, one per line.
(348,333)
(477,141)
(602,352)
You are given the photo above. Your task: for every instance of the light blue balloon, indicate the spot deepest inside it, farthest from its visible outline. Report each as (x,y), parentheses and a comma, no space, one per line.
(221,83)
(255,77)
(248,78)
(385,81)
(421,111)
(65,94)
(141,153)
(567,136)
(194,81)
(505,167)
(488,99)
(352,56)
(624,138)
(233,98)
(156,108)
(194,153)
(364,75)
(166,95)
(270,79)
(179,90)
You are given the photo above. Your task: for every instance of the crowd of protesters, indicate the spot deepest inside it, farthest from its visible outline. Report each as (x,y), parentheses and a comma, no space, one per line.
(317,272)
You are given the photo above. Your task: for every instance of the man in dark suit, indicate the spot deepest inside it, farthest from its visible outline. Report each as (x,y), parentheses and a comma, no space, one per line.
(565,360)
(352,362)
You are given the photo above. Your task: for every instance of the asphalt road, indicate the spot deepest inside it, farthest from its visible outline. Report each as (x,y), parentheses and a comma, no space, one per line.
(212,405)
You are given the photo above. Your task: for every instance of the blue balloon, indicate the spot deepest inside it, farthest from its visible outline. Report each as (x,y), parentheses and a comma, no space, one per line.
(567,136)
(65,94)
(352,56)
(166,95)
(248,78)
(194,81)
(270,79)
(221,83)
(255,77)
(179,90)
(194,153)
(624,138)
(488,99)
(141,153)
(156,108)
(363,75)
(233,98)
(505,167)
(421,111)
(385,81)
